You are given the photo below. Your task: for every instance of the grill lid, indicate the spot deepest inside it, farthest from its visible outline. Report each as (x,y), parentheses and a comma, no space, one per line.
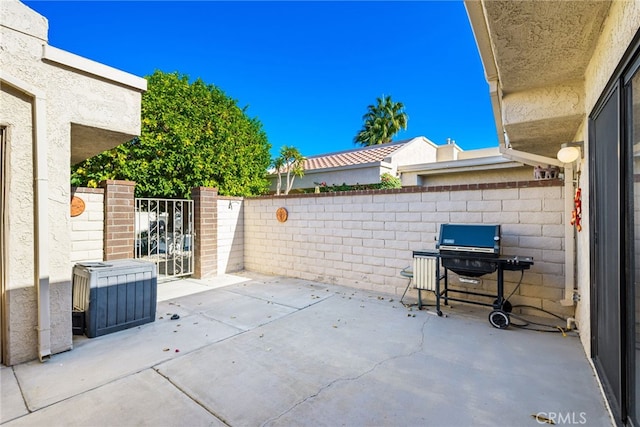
(469,239)
(469,249)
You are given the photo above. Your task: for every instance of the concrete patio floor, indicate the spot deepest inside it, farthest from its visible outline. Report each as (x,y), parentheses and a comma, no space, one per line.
(253,350)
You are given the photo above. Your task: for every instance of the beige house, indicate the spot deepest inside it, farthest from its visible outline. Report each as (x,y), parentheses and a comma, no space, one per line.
(455,166)
(362,165)
(417,161)
(56,109)
(566,73)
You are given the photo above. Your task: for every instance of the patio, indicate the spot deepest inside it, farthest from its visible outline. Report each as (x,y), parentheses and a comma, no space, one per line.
(253,350)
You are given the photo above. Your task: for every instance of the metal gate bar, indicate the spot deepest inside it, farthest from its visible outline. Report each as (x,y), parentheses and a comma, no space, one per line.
(164,235)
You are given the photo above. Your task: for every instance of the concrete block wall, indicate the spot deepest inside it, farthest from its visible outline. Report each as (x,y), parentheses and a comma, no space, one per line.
(87,229)
(105,230)
(230,234)
(364,238)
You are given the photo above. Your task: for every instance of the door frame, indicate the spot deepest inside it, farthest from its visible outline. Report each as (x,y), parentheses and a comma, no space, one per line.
(4,130)
(627,411)
(607,360)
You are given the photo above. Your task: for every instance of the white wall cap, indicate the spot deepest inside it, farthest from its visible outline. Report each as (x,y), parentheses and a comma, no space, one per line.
(68,59)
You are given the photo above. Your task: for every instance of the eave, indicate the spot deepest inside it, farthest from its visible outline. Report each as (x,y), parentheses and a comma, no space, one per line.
(535,54)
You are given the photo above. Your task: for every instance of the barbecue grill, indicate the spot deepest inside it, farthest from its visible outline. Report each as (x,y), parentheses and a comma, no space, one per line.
(471,251)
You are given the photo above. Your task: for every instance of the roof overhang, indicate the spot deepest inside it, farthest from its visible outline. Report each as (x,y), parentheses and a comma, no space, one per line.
(535,54)
(457,166)
(89,141)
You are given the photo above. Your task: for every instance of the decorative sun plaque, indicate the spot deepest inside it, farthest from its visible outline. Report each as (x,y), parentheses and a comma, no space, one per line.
(77,206)
(282,214)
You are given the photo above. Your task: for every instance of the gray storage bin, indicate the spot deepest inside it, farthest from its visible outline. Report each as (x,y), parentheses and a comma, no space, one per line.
(115,295)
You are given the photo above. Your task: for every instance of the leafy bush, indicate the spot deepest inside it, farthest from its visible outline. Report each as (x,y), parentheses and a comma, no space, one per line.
(192,134)
(389,181)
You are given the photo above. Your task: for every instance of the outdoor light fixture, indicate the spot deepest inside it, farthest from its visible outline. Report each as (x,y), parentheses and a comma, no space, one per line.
(570,152)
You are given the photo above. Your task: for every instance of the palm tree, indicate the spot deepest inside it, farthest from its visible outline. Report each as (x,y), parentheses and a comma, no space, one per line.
(290,162)
(277,163)
(382,122)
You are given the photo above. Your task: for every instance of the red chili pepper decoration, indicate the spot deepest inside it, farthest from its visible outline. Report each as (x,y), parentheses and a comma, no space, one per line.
(576,214)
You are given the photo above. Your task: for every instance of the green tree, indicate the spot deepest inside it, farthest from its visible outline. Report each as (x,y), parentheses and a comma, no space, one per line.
(381,122)
(192,135)
(291,163)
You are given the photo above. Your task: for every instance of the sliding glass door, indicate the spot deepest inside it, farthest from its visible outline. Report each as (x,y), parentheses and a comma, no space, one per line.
(614,166)
(632,295)
(607,260)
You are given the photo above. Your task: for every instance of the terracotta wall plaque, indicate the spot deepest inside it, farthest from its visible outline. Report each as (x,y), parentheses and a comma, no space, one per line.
(77,206)
(282,214)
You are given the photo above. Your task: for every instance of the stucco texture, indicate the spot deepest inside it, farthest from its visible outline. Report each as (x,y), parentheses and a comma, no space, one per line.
(617,33)
(65,96)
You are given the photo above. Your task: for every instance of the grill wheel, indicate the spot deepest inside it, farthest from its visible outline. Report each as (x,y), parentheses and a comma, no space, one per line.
(499,319)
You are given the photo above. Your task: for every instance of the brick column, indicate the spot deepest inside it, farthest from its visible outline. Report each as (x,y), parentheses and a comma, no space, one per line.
(119,219)
(205,224)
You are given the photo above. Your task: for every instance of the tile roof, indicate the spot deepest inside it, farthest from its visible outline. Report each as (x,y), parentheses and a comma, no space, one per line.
(375,153)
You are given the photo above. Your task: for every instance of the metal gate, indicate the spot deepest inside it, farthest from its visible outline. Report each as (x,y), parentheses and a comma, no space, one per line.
(164,235)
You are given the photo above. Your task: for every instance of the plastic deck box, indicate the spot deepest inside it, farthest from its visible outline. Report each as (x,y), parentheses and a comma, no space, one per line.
(115,295)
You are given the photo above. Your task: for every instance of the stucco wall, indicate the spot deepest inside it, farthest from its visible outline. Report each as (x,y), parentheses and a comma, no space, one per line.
(87,229)
(419,150)
(363,240)
(448,152)
(451,178)
(616,35)
(230,234)
(19,60)
(65,97)
(477,153)
(15,111)
(494,175)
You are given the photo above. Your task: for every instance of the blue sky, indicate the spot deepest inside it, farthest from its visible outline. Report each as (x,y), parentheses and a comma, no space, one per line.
(306,70)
